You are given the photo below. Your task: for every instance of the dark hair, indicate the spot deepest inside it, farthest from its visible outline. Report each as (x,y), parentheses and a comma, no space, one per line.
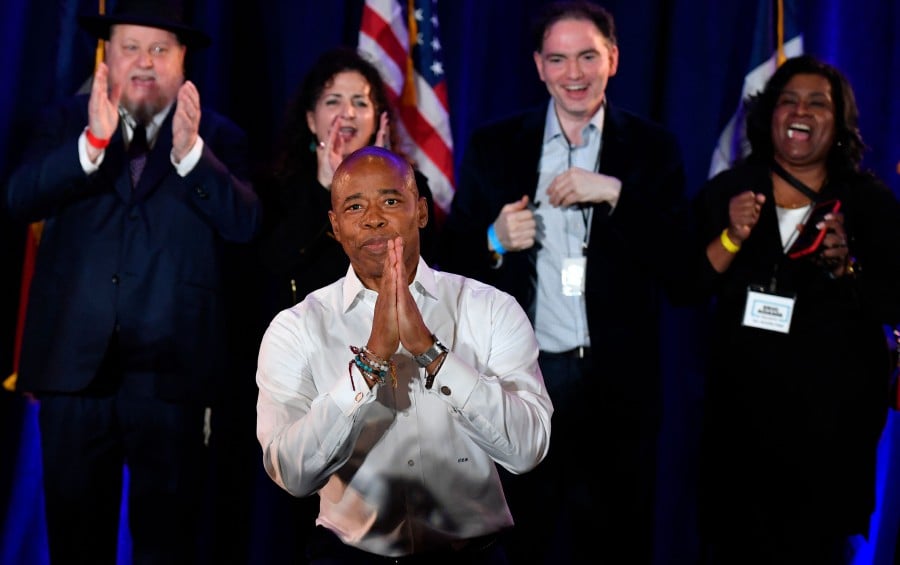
(294,153)
(846,153)
(573,10)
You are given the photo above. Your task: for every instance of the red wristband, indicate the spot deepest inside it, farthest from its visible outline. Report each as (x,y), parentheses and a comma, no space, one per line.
(94,140)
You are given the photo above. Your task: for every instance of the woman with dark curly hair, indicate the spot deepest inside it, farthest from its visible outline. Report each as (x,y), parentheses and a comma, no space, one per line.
(797,391)
(341,106)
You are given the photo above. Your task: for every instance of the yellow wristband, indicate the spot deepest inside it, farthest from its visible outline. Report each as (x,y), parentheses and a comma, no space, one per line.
(729,245)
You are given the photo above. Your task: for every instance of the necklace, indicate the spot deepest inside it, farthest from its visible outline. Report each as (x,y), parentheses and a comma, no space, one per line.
(792,206)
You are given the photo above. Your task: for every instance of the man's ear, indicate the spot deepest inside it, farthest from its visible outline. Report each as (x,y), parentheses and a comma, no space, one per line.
(423,212)
(334,225)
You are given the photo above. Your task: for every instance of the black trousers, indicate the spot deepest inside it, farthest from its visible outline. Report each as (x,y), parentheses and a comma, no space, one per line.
(327,549)
(591,500)
(87,438)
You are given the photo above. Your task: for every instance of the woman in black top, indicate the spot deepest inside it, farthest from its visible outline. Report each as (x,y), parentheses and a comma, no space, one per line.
(342,105)
(798,382)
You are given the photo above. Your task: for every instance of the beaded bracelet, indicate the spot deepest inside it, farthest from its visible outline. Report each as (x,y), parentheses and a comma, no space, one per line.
(368,370)
(372,367)
(366,354)
(367,375)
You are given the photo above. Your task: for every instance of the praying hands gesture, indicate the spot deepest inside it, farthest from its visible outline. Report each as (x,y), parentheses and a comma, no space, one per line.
(397,318)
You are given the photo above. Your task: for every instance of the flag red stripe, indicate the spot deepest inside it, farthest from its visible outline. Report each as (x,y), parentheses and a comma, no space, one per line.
(428,139)
(440,91)
(380,31)
(423,119)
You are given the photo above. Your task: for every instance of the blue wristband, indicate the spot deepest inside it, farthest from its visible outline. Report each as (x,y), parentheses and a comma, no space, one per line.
(495,241)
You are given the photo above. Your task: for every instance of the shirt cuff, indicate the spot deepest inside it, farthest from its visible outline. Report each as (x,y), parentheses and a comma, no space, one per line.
(348,399)
(86,163)
(190,160)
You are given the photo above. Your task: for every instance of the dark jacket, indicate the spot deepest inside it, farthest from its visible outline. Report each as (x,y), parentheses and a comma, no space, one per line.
(793,420)
(632,253)
(146,268)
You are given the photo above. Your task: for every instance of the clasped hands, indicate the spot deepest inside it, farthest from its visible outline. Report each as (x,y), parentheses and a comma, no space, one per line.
(397,319)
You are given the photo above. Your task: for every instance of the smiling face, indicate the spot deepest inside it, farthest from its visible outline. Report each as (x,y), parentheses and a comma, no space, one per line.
(373,199)
(575,63)
(803,127)
(148,63)
(348,97)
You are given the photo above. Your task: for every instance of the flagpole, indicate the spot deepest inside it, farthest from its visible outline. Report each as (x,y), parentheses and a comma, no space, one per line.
(780,30)
(408,96)
(99,53)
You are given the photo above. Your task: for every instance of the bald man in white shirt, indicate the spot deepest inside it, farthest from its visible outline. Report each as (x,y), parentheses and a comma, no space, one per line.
(395,391)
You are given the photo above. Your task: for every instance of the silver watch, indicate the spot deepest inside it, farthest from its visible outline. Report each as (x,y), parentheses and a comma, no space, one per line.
(431,353)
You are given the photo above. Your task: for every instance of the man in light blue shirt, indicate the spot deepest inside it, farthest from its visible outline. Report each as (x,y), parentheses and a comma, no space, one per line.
(575,208)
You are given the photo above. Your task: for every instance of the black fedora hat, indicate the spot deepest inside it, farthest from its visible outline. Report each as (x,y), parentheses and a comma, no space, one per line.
(162,14)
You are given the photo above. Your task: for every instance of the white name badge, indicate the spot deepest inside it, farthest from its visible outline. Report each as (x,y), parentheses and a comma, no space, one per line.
(573,275)
(768,311)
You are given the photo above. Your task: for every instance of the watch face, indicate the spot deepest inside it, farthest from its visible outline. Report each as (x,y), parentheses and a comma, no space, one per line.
(431,354)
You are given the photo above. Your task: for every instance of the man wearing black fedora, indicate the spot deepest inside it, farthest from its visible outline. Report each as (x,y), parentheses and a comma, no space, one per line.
(140,192)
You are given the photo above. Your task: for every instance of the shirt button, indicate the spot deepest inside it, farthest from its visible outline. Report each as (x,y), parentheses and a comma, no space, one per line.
(445,390)
(411,463)
(201,193)
(115,279)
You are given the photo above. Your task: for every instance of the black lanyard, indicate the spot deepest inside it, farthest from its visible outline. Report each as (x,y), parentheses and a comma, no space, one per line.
(795,182)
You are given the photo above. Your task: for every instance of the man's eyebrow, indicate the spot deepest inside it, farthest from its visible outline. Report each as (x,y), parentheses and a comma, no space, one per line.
(354,196)
(381,192)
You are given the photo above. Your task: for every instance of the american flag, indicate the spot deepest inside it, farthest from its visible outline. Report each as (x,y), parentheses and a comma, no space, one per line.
(401,38)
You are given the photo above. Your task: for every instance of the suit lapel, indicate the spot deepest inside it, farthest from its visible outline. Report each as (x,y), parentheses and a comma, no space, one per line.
(532,141)
(613,151)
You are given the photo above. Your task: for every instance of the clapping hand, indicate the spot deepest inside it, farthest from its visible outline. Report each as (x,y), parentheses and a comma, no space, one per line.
(329,154)
(383,137)
(186,121)
(103,108)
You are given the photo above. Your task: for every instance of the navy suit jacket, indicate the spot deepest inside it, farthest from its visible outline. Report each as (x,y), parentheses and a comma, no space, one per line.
(633,252)
(144,265)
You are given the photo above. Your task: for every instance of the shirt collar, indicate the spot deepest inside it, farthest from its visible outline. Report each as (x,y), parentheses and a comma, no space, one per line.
(151,128)
(354,291)
(552,129)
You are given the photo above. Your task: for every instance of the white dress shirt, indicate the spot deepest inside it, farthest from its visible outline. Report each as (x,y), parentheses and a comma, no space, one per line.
(126,122)
(403,470)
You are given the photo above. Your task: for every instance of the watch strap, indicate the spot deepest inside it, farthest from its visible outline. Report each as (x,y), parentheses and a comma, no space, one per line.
(430,354)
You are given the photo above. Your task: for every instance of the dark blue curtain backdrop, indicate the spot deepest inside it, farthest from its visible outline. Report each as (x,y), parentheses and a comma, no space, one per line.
(682,63)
